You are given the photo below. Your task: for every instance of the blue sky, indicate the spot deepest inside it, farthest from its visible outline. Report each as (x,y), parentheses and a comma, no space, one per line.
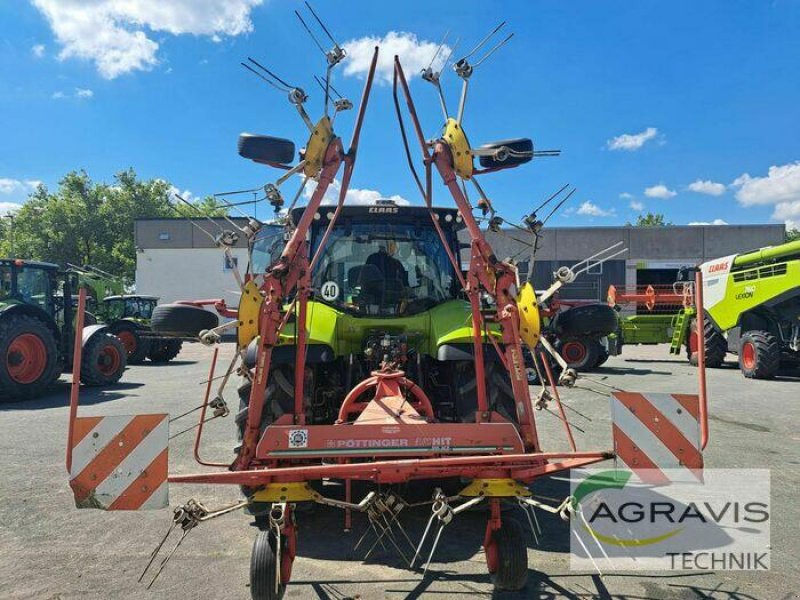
(691,109)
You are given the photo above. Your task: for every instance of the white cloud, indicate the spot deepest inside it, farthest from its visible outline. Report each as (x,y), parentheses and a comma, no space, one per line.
(659,191)
(354,195)
(37,50)
(791,224)
(173,192)
(592,210)
(707,187)
(780,186)
(415,55)
(636,205)
(114,33)
(18,186)
(83,93)
(58,95)
(632,141)
(626,196)
(79,93)
(7,208)
(787,210)
(714,222)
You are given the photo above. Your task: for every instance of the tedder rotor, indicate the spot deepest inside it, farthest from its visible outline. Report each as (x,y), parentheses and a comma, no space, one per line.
(365,357)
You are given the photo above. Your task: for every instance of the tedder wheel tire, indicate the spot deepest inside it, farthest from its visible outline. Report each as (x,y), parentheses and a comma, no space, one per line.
(182,320)
(759,355)
(163,350)
(28,358)
(136,346)
(511,573)
(263,564)
(580,354)
(716,346)
(104,360)
(265,148)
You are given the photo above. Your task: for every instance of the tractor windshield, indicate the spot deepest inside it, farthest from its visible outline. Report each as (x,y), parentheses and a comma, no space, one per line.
(267,247)
(382,269)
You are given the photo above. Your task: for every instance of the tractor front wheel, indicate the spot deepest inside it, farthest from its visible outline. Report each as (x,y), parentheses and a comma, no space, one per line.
(104,360)
(163,350)
(136,346)
(28,358)
(716,346)
(759,355)
(507,557)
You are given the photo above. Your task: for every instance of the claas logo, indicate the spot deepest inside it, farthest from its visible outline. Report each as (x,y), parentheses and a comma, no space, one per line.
(723,266)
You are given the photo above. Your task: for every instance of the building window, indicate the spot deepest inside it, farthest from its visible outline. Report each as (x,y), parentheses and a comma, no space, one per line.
(164,236)
(230,263)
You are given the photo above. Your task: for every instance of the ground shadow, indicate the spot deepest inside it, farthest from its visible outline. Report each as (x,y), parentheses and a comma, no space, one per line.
(59,397)
(628,371)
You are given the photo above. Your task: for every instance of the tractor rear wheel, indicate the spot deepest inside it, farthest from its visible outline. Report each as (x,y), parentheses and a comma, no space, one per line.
(511,557)
(759,355)
(716,346)
(163,350)
(28,358)
(499,393)
(136,346)
(602,354)
(264,564)
(104,360)
(581,354)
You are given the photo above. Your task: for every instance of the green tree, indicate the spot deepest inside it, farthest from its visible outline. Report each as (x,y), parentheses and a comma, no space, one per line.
(651,220)
(85,222)
(792,235)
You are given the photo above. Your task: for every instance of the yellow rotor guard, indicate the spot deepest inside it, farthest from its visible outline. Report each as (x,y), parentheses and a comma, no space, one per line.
(316,147)
(494,488)
(298,491)
(249,310)
(530,322)
(455,137)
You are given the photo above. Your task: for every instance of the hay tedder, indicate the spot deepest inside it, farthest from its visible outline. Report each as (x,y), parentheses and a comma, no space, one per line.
(365,357)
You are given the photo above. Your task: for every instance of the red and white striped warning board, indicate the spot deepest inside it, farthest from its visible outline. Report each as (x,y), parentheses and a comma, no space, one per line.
(654,432)
(120,462)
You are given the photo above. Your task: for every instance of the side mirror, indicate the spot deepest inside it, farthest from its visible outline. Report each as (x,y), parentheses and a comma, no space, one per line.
(266,149)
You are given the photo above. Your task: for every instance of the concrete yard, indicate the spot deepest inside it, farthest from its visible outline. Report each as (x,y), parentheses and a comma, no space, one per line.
(50,550)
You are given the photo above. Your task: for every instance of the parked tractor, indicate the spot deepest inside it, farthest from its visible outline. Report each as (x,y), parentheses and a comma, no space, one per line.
(127,316)
(37,332)
(752,301)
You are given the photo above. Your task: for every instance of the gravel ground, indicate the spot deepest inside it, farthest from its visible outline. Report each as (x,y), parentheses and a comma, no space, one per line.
(51,550)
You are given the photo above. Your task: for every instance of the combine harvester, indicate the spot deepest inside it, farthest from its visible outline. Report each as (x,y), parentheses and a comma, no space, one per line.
(752,310)
(351,373)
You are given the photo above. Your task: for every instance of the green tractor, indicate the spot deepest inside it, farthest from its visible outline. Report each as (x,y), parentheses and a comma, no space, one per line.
(752,301)
(127,316)
(37,332)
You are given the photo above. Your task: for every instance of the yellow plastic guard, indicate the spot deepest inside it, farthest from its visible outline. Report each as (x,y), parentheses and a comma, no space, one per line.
(316,147)
(459,147)
(285,492)
(494,488)
(249,310)
(530,322)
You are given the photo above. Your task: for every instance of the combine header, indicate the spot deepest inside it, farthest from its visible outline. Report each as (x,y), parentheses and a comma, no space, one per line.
(362,361)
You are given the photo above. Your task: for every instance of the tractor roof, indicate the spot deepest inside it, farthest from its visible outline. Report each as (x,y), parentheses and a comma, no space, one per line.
(29,263)
(387,211)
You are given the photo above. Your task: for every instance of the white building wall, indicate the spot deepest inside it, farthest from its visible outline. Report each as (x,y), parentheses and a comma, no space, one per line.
(188,274)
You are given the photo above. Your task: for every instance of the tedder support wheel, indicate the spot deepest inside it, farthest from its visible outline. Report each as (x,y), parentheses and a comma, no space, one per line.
(163,350)
(581,354)
(263,564)
(759,355)
(509,557)
(28,358)
(104,360)
(716,346)
(182,320)
(136,346)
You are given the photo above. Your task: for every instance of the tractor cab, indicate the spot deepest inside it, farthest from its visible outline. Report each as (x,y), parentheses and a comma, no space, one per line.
(138,308)
(29,282)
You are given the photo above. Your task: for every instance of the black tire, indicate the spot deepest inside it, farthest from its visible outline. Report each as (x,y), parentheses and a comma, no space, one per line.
(163,350)
(104,360)
(511,153)
(580,354)
(759,355)
(278,400)
(589,321)
(499,393)
(263,565)
(182,320)
(512,552)
(265,148)
(602,354)
(135,344)
(716,346)
(530,368)
(13,386)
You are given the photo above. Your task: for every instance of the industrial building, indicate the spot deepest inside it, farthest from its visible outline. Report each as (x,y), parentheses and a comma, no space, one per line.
(178,261)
